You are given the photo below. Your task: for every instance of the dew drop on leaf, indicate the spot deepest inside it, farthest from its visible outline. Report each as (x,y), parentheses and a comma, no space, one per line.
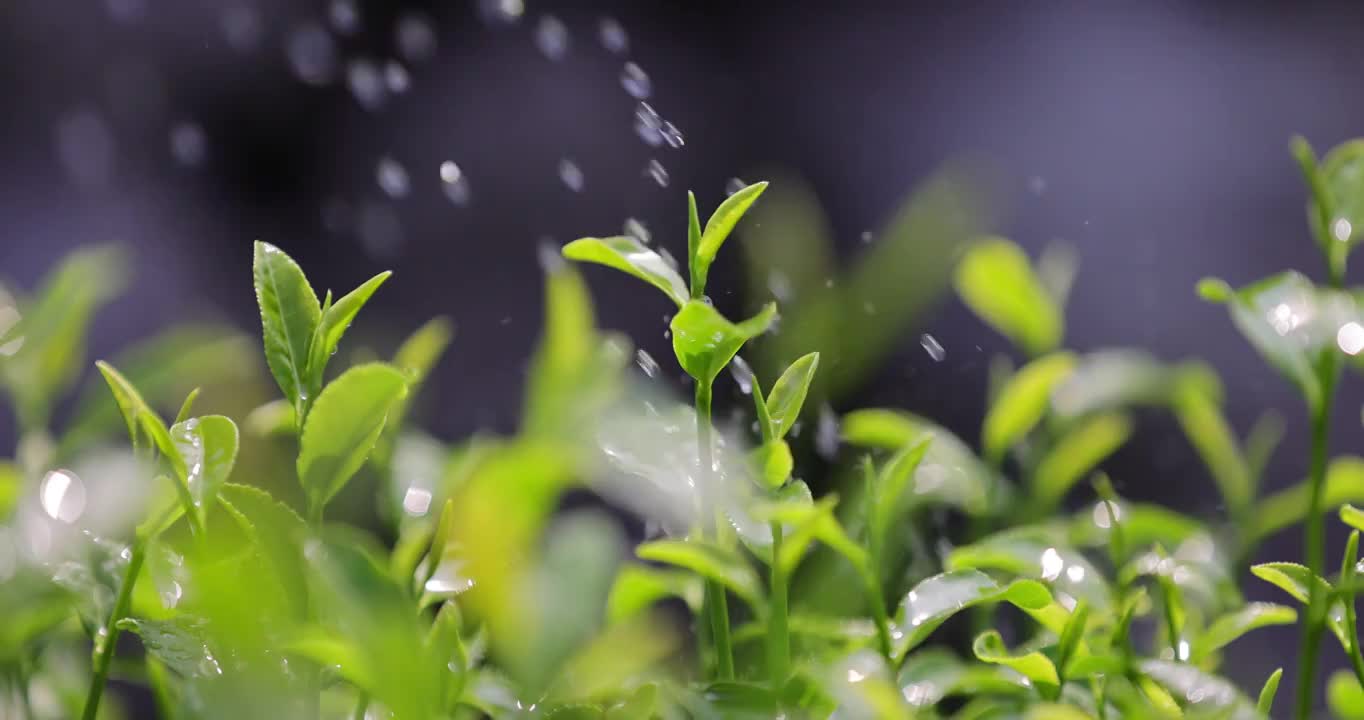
(931,346)
(551,37)
(392,177)
(415,36)
(656,171)
(571,175)
(188,144)
(312,54)
(612,36)
(635,81)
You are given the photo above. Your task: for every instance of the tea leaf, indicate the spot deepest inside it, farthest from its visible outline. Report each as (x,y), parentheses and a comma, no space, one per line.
(1034,553)
(788,394)
(178,642)
(1352,516)
(1076,453)
(704,341)
(1071,635)
(415,357)
(129,401)
(1294,579)
(718,228)
(937,598)
(1345,696)
(289,314)
(741,701)
(710,561)
(949,472)
(997,282)
(208,447)
(343,426)
(695,270)
(331,327)
(630,256)
(774,462)
(1344,483)
(1207,430)
(1234,624)
(896,476)
(1116,378)
(278,533)
(1338,194)
(1202,691)
(932,674)
(1267,693)
(638,587)
(1022,402)
(989,647)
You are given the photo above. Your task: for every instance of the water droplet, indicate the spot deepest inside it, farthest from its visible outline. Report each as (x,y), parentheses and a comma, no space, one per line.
(734,185)
(551,36)
(501,12)
(415,37)
(379,229)
(779,285)
(366,83)
(453,183)
(646,362)
(1037,185)
(1350,338)
(1052,563)
(648,125)
(344,16)
(612,35)
(743,374)
(931,346)
(417,501)
(188,144)
(869,308)
(312,54)
(62,495)
(671,261)
(672,135)
(392,177)
(636,229)
(1341,229)
(656,171)
(635,81)
(866,237)
(242,28)
(85,146)
(826,433)
(396,77)
(571,175)
(550,255)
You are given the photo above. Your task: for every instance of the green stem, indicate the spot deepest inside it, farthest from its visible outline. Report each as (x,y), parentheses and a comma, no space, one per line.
(717,605)
(878,609)
(107,643)
(1347,579)
(778,635)
(1315,540)
(361,706)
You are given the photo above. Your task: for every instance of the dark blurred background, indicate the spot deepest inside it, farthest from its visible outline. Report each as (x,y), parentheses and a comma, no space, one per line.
(1149,136)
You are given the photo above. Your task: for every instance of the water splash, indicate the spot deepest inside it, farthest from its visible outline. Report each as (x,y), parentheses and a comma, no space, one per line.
(931,346)
(612,35)
(551,37)
(646,362)
(648,125)
(635,81)
(743,374)
(734,185)
(633,228)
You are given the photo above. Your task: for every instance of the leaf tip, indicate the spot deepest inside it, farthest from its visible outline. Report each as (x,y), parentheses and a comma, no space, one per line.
(1215,290)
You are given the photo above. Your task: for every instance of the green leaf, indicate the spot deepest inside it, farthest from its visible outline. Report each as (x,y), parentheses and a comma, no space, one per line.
(932,674)
(129,401)
(1077,452)
(997,282)
(1143,525)
(989,647)
(332,327)
(208,448)
(1339,198)
(1295,579)
(718,228)
(741,701)
(949,473)
(1344,483)
(1038,553)
(11,487)
(1204,692)
(937,598)
(178,642)
(278,534)
(1200,415)
(1345,696)
(1271,688)
(187,407)
(698,274)
(637,587)
(774,463)
(788,394)
(896,476)
(1352,516)
(1072,635)
(1234,624)
(705,341)
(630,256)
(1022,402)
(1117,378)
(710,561)
(343,426)
(289,314)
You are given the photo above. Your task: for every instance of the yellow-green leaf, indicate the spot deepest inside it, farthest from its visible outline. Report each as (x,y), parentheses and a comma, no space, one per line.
(996,280)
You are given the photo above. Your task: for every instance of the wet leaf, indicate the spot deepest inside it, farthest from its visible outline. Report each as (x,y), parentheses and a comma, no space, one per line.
(773,459)
(931,674)
(996,280)
(989,647)
(1022,402)
(718,228)
(637,587)
(937,598)
(1294,579)
(788,394)
(208,447)
(1143,525)
(331,327)
(290,314)
(343,426)
(1077,452)
(704,341)
(630,256)
(1034,553)
(1234,624)
(179,643)
(1344,483)
(129,401)
(1345,696)
(949,473)
(621,655)
(278,533)
(709,561)
(1202,691)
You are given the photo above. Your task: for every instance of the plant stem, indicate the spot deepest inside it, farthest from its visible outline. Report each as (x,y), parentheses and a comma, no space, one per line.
(717,605)
(107,643)
(361,706)
(1315,540)
(1347,579)
(878,608)
(779,641)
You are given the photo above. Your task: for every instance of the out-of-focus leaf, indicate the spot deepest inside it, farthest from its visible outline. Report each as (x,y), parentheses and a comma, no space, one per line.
(989,647)
(710,561)
(704,341)
(742,701)
(937,598)
(718,228)
(949,472)
(11,487)
(622,653)
(1352,516)
(1296,580)
(1115,378)
(1022,402)
(641,704)
(1055,711)
(128,399)
(639,586)
(788,394)
(290,314)
(179,643)
(931,674)
(1077,452)
(1335,211)
(1036,553)
(415,357)
(1234,624)
(208,447)
(1344,483)
(896,475)
(996,280)
(1345,696)
(272,419)
(278,533)
(1265,704)
(1143,525)
(862,686)
(332,326)
(1071,635)
(630,256)
(343,426)
(1202,691)
(1208,431)
(774,463)
(50,334)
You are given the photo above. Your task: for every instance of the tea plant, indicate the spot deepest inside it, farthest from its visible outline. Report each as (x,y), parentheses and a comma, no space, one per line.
(929,582)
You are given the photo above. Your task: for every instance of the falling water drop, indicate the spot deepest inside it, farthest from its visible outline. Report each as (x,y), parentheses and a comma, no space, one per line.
(656,171)
(734,185)
(648,125)
(931,346)
(415,36)
(1037,185)
(392,177)
(312,54)
(866,237)
(826,433)
(396,77)
(379,229)
(453,183)
(636,229)
(85,145)
(635,81)
(646,362)
(613,36)
(551,36)
(188,144)
(501,12)
(62,495)
(780,286)
(571,175)
(743,374)
(344,16)
(9,321)
(241,27)
(366,83)
(672,135)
